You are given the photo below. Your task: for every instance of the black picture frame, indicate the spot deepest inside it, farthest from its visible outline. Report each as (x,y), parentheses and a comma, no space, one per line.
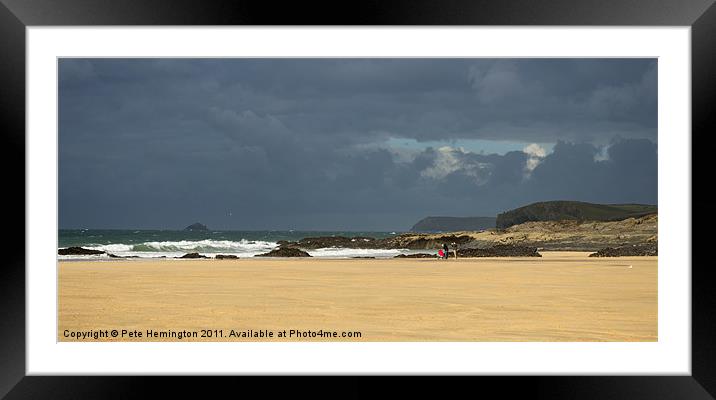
(16,15)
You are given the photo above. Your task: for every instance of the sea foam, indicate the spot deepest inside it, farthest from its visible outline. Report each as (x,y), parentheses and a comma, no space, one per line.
(209,247)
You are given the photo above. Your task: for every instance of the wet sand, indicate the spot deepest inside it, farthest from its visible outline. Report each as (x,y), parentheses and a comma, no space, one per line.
(563,296)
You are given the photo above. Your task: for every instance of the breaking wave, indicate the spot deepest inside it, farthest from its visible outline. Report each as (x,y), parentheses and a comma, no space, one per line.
(202,246)
(208,247)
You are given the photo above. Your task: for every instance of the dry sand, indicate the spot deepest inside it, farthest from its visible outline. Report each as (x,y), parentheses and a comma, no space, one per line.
(562,296)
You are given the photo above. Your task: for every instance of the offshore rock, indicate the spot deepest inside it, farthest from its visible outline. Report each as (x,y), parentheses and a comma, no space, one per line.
(193,255)
(78,251)
(285,252)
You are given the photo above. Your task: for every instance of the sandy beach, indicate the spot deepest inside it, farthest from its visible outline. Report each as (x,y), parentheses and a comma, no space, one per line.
(563,296)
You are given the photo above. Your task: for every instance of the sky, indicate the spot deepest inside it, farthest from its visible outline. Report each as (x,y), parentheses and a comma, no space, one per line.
(347,144)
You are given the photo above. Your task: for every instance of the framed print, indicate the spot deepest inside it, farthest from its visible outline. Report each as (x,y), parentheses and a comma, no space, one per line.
(460,189)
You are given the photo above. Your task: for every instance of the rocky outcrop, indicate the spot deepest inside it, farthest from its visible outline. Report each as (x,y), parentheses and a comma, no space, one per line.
(193,255)
(196,227)
(78,251)
(226,257)
(500,250)
(404,241)
(357,242)
(285,252)
(423,242)
(646,249)
(562,235)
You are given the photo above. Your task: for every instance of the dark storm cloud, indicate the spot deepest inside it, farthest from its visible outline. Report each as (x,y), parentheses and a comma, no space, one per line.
(287,143)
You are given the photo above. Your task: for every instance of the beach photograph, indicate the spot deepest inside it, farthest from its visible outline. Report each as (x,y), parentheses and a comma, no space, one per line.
(357,200)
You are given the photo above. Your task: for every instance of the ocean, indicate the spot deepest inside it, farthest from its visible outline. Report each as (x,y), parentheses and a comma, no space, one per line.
(168,243)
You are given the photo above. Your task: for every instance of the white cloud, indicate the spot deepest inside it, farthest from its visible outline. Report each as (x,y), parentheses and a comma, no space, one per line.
(535,150)
(536,154)
(449,160)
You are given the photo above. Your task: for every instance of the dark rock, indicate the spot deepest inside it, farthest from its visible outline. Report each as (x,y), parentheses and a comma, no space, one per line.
(421,242)
(226,257)
(404,241)
(78,251)
(648,249)
(500,250)
(358,242)
(363,257)
(193,255)
(285,252)
(419,255)
(196,227)
(116,256)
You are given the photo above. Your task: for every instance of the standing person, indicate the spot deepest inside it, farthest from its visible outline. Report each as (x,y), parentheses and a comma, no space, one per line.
(445,251)
(454,246)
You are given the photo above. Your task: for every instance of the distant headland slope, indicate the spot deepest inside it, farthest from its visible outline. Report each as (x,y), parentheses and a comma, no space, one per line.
(572,210)
(450,224)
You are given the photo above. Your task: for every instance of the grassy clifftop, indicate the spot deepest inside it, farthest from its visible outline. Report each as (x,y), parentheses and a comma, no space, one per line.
(572,210)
